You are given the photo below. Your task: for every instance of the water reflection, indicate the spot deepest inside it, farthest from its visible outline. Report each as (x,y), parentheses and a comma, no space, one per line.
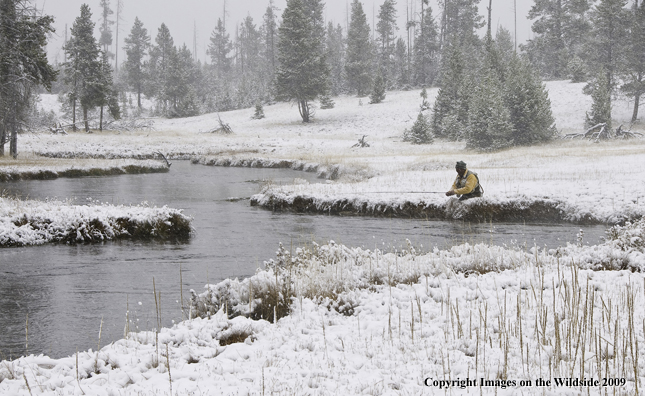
(68,291)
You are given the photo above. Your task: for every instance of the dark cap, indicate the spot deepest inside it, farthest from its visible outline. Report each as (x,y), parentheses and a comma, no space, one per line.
(460,165)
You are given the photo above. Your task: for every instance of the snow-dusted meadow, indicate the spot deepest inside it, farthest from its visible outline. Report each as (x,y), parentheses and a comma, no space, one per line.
(380,323)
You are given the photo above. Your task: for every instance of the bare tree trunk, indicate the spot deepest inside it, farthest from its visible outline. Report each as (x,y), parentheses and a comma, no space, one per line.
(3,137)
(13,146)
(87,124)
(637,101)
(101,120)
(637,98)
(303,107)
(74,115)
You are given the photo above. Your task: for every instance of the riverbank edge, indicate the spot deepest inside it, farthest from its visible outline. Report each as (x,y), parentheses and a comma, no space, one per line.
(476,210)
(48,174)
(56,222)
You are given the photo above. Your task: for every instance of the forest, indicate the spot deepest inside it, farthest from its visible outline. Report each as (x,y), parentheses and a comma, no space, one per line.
(491,90)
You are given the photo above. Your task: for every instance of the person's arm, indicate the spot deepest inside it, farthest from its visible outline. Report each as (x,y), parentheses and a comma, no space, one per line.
(452,189)
(471,182)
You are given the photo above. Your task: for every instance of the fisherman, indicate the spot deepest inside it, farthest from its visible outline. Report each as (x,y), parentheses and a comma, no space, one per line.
(466,184)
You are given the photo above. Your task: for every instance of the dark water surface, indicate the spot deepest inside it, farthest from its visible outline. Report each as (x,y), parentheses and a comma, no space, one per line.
(54,298)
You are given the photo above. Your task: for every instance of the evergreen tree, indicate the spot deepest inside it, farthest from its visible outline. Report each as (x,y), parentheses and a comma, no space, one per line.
(560,31)
(634,72)
(136,47)
(251,85)
(259,112)
(359,55)
(108,95)
(158,66)
(401,68)
(424,100)
(426,51)
(302,73)
(420,133)
(335,54)
(606,51)
(378,91)
(386,28)
(450,110)
(606,48)
(83,70)
(460,23)
(326,102)
(489,126)
(23,65)
(601,102)
(270,29)
(528,103)
(105,39)
(219,48)
(179,89)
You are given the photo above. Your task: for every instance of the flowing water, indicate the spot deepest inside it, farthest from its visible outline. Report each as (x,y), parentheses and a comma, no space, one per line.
(56,299)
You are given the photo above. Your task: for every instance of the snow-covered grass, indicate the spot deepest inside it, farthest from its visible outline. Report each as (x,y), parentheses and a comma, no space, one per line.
(34,222)
(384,323)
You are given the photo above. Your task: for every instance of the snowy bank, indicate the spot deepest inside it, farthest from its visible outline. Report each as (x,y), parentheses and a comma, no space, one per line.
(34,222)
(373,322)
(43,169)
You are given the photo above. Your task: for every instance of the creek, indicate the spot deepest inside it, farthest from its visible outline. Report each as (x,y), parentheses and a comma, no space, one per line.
(56,299)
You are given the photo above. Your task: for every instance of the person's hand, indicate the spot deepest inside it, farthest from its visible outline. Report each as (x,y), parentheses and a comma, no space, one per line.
(449,193)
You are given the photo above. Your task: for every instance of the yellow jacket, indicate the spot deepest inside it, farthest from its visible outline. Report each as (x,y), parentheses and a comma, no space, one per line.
(466,184)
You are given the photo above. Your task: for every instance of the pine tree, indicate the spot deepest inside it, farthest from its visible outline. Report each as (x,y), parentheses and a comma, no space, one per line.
(386,28)
(303,72)
(424,100)
(105,39)
(378,91)
(259,111)
(219,48)
(326,102)
(528,103)
(606,48)
(634,71)
(83,70)
(179,83)
(489,126)
(601,102)
(249,78)
(23,65)
(270,29)
(158,66)
(107,95)
(560,31)
(459,24)
(450,110)
(606,51)
(400,66)
(420,132)
(426,51)
(335,55)
(359,55)
(136,47)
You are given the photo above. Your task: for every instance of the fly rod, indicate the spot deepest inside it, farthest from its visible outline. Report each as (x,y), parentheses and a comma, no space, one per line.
(399,192)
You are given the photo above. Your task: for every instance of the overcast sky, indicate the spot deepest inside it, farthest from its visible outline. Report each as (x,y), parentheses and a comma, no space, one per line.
(182,16)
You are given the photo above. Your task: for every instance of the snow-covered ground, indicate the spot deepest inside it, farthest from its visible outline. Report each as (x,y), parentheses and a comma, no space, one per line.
(377,323)
(28,222)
